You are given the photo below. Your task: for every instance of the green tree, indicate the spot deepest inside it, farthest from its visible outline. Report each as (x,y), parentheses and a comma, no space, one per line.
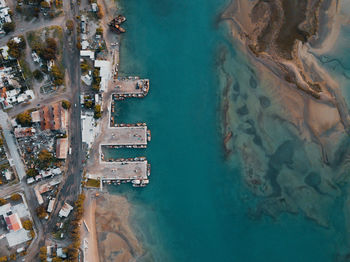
(9,27)
(28,225)
(66,104)
(31,172)
(84,66)
(38,75)
(18,8)
(57,75)
(43,253)
(24,118)
(45,158)
(16,197)
(88,103)
(97,111)
(45,4)
(70,25)
(99,31)
(41,212)
(96,87)
(3,201)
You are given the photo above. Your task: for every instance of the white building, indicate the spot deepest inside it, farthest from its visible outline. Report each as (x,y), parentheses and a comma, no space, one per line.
(105,73)
(65,210)
(87,53)
(51,205)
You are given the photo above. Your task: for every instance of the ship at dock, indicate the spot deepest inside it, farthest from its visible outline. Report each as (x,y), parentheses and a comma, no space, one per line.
(116,22)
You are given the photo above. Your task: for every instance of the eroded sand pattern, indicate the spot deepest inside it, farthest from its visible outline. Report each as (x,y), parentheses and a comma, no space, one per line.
(287,117)
(116,241)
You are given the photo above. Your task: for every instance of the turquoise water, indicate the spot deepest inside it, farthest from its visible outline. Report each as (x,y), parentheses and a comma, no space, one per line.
(196,207)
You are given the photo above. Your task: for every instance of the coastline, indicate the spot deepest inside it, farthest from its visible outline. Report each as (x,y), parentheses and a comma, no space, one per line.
(116,240)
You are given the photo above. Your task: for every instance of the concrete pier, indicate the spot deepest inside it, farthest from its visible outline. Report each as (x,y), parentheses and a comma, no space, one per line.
(127,170)
(125,136)
(129,86)
(136,172)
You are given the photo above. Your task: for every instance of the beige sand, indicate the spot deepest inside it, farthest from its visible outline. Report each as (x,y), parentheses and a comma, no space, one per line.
(91,252)
(116,240)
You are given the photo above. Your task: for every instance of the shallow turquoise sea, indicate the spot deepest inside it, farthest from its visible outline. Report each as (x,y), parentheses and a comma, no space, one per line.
(196,207)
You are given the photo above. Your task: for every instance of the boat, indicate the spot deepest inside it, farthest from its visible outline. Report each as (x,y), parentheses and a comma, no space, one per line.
(121,18)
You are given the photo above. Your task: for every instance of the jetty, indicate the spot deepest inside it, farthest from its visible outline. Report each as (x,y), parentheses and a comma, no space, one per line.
(131,86)
(123,136)
(136,172)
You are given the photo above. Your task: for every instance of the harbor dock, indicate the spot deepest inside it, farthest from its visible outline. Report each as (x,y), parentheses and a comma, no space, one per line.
(118,172)
(123,136)
(120,135)
(131,86)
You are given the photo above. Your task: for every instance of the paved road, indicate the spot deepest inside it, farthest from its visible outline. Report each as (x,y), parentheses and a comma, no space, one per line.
(70,186)
(10,140)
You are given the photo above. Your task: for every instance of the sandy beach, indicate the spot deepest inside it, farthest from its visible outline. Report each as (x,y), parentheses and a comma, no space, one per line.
(116,240)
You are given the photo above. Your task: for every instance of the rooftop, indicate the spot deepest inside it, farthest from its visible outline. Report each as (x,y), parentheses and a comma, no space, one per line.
(13,222)
(62,148)
(65,210)
(105,72)
(17,237)
(35,116)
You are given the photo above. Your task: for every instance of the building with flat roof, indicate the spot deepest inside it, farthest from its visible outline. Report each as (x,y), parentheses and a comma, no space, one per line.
(88,53)
(62,148)
(105,72)
(35,116)
(51,205)
(65,210)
